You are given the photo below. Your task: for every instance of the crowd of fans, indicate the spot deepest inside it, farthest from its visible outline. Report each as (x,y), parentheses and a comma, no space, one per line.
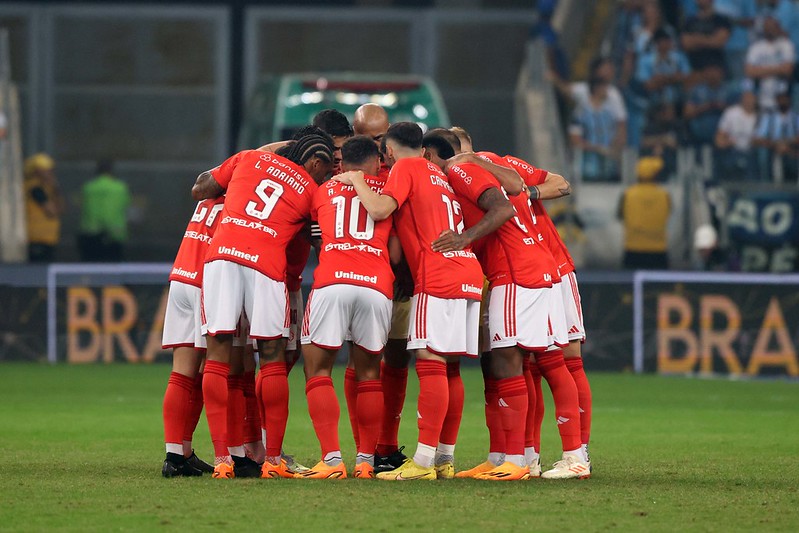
(694,73)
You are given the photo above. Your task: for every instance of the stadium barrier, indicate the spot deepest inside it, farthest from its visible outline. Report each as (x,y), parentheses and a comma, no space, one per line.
(665,322)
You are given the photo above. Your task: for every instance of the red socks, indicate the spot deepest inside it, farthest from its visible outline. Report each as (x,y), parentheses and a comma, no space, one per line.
(252,422)
(370,414)
(496,435)
(395,382)
(433,400)
(513,412)
(532,405)
(236,412)
(194,412)
(452,422)
(539,405)
(275,405)
(176,407)
(575,367)
(215,394)
(564,392)
(351,395)
(324,410)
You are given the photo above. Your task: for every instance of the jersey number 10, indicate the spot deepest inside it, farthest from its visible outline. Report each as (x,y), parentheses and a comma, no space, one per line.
(355,219)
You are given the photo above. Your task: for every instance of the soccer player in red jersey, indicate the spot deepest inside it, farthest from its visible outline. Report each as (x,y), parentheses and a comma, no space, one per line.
(371,120)
(183,401)
(519,271)
(542,185)
(446,303)
(351,298)
(268,200)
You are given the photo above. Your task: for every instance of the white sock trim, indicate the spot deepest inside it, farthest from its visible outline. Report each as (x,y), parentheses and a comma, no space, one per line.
(425,455)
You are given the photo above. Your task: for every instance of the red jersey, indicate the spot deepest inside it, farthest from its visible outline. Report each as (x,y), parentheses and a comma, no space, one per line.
(383,172)
(354,246)
(536,176)
(428,206)
(188,265)
(524,262)
(297,253)
(268,201)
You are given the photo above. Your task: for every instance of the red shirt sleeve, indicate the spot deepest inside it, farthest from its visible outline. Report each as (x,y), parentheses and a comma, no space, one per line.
(470,181)
(224,172)
(400,182)
(530,174)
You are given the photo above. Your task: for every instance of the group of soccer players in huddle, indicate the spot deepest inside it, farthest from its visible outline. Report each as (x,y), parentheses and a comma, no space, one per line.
(412,231)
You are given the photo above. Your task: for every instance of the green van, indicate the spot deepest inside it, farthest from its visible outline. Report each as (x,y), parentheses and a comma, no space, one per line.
(280,105)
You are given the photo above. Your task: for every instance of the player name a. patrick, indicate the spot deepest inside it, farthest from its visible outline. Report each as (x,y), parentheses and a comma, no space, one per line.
(356,277)
(177,271)
(224,250)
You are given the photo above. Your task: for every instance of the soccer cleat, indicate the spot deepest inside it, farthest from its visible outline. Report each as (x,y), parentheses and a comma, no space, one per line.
(477,470)
(199,464)
(505,472)
(445,470)
(570,467)
(269,470)
(535,468)
(246,467)
(364,471)
(407,472)
(292,465)
(323,471)
(176,466)
(223,471)
(384,463)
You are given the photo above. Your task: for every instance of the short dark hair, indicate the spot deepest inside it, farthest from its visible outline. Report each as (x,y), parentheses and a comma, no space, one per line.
(105,166)
(451,137)
(407,134)
(310,129)
(661,35)
(441,145)
(358,149)
(333,122)
(595,63)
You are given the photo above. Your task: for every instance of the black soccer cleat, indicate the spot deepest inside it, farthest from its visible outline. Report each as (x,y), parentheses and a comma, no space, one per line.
(177,466)
(245,467)
(384,463)
(199,464)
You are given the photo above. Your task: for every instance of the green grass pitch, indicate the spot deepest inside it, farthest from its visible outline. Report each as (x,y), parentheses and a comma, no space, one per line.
(82,450)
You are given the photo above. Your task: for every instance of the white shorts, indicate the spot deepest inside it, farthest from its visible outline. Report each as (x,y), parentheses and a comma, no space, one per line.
(444,326)
(518,316)
(295,311)
(559,333)
(572,306)
(400,317)
(335,311)
(229,287)
(183,318)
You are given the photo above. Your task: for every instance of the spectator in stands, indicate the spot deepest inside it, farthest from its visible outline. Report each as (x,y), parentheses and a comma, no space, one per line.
(652,20)
(602,71)
(628,20)
(777,140)
(44,206)
(662,71)
(705,103)
(644,210)
(734,157)
(594,131)
(104,216)
(770,63)
(705,36)
(661,137)
(741,14)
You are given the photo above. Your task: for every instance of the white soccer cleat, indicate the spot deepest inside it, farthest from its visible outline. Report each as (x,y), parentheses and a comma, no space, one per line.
(570,467)
(535,468)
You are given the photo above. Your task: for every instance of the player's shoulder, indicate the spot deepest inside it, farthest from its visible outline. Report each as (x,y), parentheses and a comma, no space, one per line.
(375,182)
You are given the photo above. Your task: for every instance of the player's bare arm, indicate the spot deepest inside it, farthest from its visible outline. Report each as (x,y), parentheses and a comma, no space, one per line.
(206,187)
(379,206)
(498,211)
(510,180)
(274,147)
(554,186)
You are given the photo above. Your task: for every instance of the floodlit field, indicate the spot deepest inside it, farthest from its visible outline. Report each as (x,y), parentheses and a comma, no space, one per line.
(82,450)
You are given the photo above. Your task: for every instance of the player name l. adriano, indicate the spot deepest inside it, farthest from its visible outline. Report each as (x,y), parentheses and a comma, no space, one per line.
(356,277)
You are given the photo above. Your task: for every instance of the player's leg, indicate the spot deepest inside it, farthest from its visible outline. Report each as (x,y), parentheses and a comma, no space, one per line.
(445,451)
(324,410)
(351,397)
(194,413)
(243,466)
(394,379)
(533,400)
(176,410)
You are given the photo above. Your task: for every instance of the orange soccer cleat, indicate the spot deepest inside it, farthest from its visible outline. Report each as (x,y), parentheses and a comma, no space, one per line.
(323,471)
(505,472)
(477,470)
